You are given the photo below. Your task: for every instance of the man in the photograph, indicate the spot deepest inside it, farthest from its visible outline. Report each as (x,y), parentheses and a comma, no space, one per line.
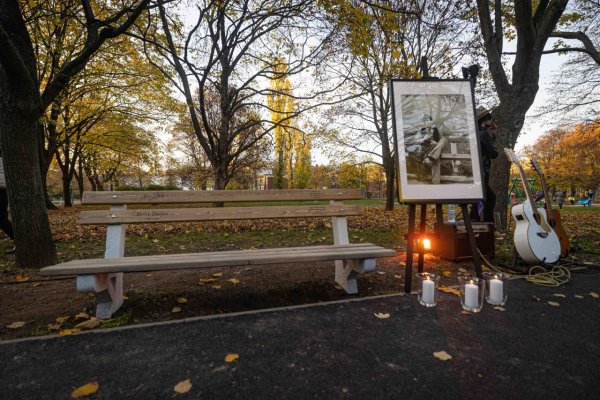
(427,150)
(433,147)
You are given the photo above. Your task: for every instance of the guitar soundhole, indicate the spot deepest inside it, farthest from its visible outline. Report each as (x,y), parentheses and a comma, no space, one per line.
(520,217)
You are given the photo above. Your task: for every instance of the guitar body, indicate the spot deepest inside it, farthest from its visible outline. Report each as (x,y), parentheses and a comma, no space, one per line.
(534,244)
(556,224)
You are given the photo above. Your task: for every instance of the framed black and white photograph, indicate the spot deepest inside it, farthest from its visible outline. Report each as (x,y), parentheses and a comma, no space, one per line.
(437,144)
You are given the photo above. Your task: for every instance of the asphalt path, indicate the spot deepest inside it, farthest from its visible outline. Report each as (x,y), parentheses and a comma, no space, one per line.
(340,350)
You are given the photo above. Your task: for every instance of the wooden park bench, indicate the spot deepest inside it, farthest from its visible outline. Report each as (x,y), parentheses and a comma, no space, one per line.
(104,277)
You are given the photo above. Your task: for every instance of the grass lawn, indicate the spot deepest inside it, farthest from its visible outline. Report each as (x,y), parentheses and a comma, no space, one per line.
(43,304)
(375,226)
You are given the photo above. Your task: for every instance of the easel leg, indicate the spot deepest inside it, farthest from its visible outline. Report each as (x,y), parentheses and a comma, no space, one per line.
(514,258)
(422,227)
(410,240)
(439,214)
(469,227)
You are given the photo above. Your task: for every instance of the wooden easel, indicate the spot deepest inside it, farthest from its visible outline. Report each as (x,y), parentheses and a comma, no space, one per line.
(412,235)
(439,215)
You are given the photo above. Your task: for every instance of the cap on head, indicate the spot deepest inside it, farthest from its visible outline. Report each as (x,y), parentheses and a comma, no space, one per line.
(483,113)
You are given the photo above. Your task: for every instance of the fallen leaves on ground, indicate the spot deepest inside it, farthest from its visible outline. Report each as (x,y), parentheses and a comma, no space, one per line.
(60,320)
(499,308)
(21,278)
(554,304)
(85,390)
(181,300)
(216,286)
(207,280)
(447,289)
(82,315)
(16,325)
(578,296)
(67,332)
(235,281)
(89,324)
(398,276)
(231,357)
(442,355)
(218,274)
(594,295)
(381,272)
(175,310)
(183,386)
(54,327)
(559,295)
(447,274)
(382,315)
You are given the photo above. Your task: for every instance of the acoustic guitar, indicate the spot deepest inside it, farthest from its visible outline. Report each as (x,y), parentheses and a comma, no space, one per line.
(535,240)
(553,214)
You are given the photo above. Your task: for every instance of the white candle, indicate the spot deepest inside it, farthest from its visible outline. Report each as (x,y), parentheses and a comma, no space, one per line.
(428,291)
(496,291)
(471,295)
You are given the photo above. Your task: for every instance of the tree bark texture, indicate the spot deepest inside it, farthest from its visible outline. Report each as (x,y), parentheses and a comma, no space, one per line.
(66,183)
(510,116)
(20,110)
(390,176)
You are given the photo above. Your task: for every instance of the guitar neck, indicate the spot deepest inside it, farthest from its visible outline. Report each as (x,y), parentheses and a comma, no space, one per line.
(548,204)
(526,187)
(536,165)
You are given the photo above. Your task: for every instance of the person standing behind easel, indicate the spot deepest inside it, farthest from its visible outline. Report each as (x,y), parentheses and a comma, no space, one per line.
(5,223)
(487,139)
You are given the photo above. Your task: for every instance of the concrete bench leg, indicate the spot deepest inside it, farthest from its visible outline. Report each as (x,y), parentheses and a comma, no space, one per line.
(346,272)
(108,289)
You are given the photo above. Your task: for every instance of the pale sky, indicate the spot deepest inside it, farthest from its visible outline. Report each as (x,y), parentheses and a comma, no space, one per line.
(533,128)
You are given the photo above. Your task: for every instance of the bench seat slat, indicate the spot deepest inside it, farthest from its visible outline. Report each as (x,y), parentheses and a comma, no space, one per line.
(109,217)
(216,196)
(218,259)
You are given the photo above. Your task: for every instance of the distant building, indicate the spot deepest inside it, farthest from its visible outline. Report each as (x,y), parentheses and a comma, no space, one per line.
(264,180)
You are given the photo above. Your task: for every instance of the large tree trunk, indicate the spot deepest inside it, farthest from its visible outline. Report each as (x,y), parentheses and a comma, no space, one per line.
(79,178)
(66,183)
(389,168)
(510,115)
(390,177)
(49,204)
(20,110)
(221,180)
(221,176)
(44,175)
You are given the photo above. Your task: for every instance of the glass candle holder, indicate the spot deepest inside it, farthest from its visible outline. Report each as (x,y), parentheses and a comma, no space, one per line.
(427,291)
(472,290)
(495,288)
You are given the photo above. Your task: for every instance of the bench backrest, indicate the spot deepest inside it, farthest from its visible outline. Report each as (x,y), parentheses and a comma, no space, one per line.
(118,214)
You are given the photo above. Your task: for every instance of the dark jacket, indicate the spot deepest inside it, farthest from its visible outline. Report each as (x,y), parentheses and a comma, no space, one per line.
(489,151)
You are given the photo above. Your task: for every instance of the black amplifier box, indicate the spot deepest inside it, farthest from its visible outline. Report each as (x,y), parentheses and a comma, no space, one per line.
(452,242)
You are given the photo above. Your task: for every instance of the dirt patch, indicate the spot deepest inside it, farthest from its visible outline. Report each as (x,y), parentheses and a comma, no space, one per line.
(153,296)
